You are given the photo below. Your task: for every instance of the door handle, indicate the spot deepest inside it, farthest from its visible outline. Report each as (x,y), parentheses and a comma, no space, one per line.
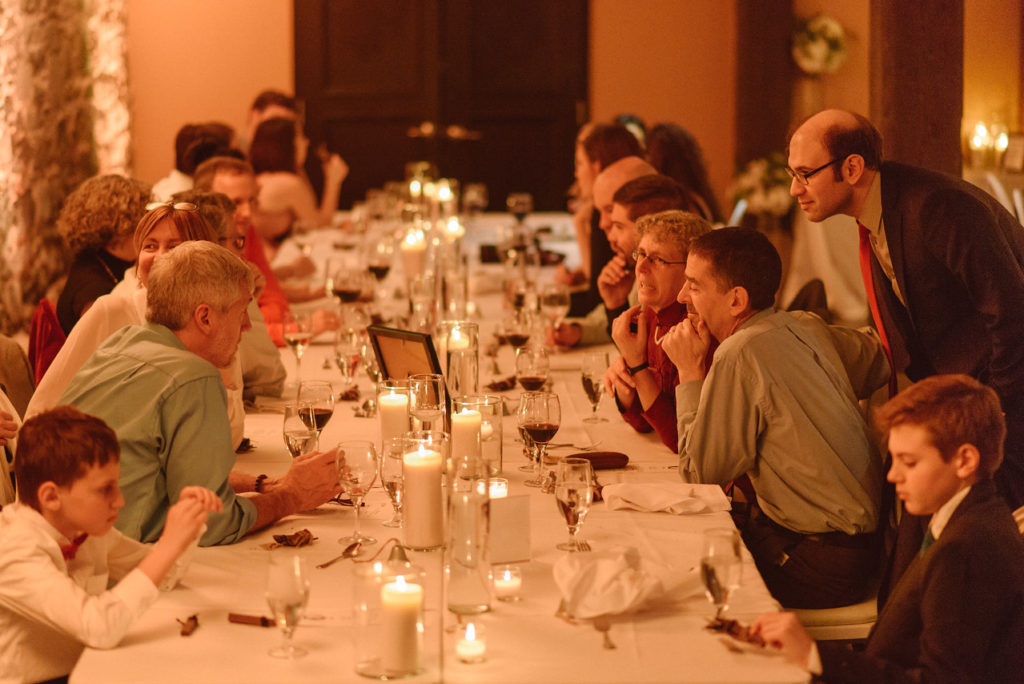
(426,129)
(459,132)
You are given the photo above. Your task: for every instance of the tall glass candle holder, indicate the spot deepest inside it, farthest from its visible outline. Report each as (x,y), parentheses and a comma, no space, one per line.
(468,572)
(491,409)
(389,619)
(393,409)
(424,459)
(463,359)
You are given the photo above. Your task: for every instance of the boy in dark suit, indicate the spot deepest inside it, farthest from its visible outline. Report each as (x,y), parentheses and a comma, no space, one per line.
(957,614)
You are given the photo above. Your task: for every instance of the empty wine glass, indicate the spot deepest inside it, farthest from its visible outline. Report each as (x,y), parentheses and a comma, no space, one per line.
(540,417)
(573,495)
(299,437)
(721,566)
(554,304)
(347,353)
(426,400)
(356,462)
(592,374)
(391,478)
(319,396)
(532,367)
(368,359)
(287,593)
(528,446)
(297,330)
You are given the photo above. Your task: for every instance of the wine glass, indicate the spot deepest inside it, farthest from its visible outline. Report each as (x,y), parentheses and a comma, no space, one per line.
(426,400)
(297,330)
(381,254)
(320,398)
(287,594)
(347,284)
(554,304)
(517,328)
(519,204)
(592,374)
(573,495)
(532,367)
(368,359)
(540,418)
(528,446)
(347,353)
(391,478)
(356,462)
(721,566)
(299,437)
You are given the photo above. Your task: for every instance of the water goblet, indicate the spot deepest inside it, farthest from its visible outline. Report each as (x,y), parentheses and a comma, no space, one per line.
(554,304)
(297,330)
(532,367)
(721,566)
(356,462)
(347,353)
(540,417)
(592,375)
(299,437)
(391,478)
(287,593)
(573,494)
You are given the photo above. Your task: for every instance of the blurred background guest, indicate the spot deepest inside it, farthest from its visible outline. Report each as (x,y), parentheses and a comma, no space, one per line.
(194,144)
(675,153)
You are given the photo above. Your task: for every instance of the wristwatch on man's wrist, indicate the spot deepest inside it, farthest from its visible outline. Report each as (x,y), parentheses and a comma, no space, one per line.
(633,370)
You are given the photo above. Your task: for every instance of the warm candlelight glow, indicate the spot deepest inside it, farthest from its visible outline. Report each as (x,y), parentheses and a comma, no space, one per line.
(472,647)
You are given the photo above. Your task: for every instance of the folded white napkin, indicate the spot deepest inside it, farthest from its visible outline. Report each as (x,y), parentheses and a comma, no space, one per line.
(607,582)
(671,497)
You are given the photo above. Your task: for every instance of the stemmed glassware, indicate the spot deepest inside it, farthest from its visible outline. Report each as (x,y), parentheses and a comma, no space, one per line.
(554,304)
(299,437)
(347,353)
(528,445)
(426,400)
(540,417)
(287,593)
(517,328)
(357,471)
(380,256)
(297,330)
(532,367)
(391,478)
(574,493)
(721,566)
(592,375)
(369,360)
(318,395)
(519,204)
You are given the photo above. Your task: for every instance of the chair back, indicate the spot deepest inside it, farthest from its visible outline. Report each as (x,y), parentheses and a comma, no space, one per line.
(45,338)
(812,297)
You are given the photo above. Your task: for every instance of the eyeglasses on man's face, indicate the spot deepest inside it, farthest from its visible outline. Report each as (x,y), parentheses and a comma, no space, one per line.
(655,261)
(805,177)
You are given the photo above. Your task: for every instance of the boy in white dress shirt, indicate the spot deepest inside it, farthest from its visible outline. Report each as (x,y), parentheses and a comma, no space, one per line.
(59,549)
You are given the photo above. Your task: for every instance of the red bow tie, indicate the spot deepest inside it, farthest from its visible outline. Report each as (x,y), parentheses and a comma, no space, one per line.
(69,550)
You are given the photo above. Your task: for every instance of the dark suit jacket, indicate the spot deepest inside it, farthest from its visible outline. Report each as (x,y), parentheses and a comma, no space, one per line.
(958,257)
(957,615)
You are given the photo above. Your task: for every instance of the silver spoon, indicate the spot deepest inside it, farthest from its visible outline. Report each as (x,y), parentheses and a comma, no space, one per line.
(350,551)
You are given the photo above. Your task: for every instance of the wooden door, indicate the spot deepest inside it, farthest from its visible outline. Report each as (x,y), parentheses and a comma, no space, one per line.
(501,87)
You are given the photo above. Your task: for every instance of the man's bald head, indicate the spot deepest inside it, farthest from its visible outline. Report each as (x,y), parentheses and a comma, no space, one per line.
(614,177)
(841,133)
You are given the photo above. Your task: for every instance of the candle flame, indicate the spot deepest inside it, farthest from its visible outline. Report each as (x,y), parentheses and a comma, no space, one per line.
(470,632)
(400,582)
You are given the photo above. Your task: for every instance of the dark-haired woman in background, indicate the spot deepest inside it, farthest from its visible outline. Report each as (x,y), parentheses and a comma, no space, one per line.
(676,154)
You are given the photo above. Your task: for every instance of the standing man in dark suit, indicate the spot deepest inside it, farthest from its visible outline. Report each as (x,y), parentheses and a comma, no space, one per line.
(942,258)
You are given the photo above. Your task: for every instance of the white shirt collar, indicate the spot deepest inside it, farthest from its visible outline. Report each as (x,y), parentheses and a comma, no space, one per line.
(941,517)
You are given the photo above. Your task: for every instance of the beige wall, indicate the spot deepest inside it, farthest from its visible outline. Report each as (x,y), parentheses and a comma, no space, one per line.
(201,60)
(992,61)
(667,60)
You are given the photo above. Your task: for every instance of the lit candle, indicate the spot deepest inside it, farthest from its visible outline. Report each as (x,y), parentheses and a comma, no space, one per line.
(453,228)
(457,341)
(415,188)
(486,430)
(508,580)
(394,414)
(401,604)
(422,505)
(466,436)
(414,254)
(497,487)
(472,647)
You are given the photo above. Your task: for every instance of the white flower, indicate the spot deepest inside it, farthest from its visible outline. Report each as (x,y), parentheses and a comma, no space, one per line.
(819,45)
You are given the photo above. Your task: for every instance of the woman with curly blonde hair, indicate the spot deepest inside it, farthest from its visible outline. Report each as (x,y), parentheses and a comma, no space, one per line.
(98,222)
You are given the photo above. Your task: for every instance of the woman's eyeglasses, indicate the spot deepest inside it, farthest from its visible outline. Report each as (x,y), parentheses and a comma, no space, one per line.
(177,206)
(656,261)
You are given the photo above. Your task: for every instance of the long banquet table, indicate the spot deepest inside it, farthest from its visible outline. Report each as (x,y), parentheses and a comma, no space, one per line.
(525,641)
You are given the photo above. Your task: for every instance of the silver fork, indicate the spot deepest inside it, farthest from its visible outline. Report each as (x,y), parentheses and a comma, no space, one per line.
(602,623)
(583,545)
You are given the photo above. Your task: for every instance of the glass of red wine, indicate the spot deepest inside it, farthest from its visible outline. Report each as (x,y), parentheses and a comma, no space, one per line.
(532,367)
(540,418)
(517,328)
(319,396)
(529,448)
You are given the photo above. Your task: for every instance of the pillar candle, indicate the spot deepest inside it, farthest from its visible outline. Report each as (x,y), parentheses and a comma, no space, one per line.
(394,415)
(401,604)
(414,254)
(423,509)
(466,435)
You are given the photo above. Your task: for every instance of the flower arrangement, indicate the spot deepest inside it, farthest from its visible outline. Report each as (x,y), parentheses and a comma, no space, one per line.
(764,184)
(819,45)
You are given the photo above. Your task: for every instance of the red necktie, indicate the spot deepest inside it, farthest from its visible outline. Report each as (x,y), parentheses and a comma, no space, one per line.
(869,288)
(69,550)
